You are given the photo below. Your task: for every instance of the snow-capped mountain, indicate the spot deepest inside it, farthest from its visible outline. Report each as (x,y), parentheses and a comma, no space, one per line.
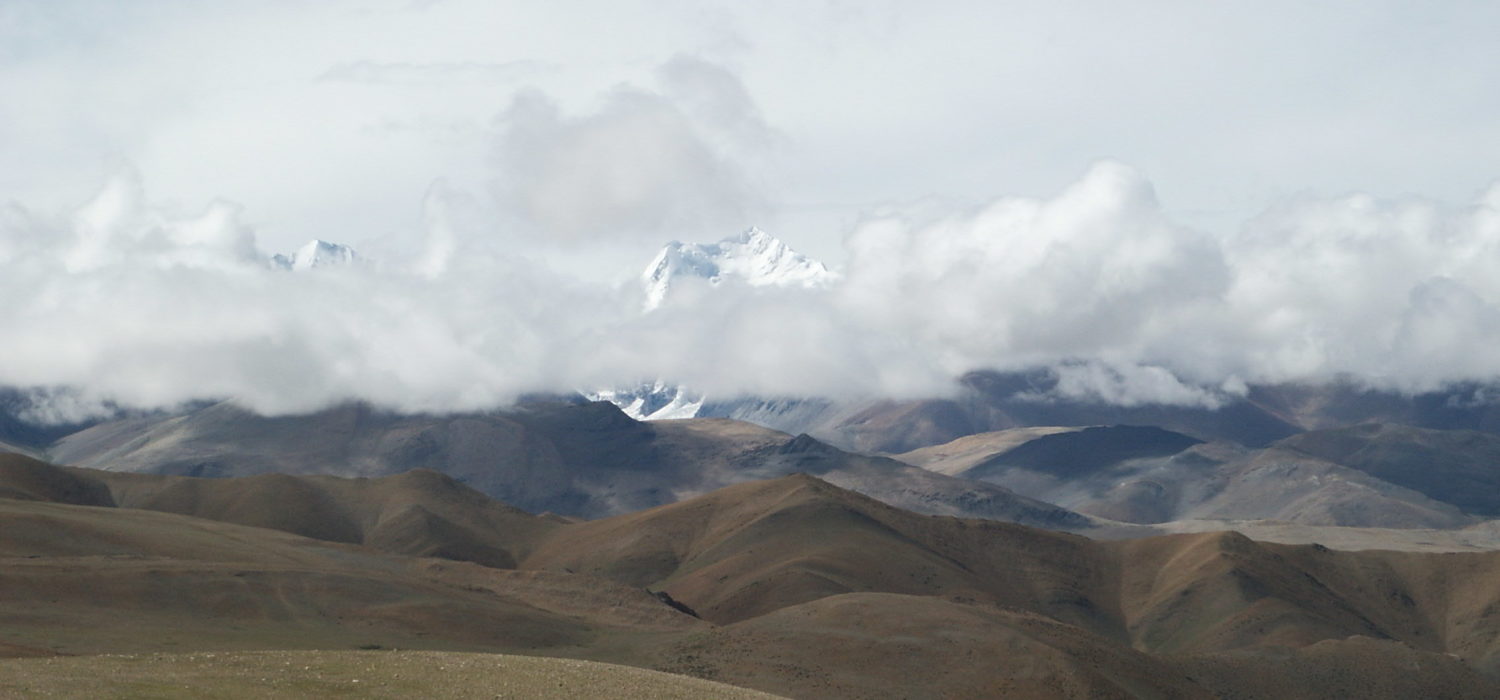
(315,254)
(655,401)
(752,257)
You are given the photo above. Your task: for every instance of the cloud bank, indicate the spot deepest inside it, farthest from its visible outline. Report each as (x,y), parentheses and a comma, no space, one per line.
(542,142)
(124,303)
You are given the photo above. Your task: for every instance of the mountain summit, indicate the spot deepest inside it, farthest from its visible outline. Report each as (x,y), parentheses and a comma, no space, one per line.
(315,254)
(752,257)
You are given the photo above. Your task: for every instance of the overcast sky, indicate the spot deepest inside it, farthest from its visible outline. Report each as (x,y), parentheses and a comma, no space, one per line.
(1315,175)
(331,119)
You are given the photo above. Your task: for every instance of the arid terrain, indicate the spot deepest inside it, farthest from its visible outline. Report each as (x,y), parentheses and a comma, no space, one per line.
(792,586)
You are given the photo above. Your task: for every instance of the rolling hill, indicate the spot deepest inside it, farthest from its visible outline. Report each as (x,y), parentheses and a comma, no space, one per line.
(791,585)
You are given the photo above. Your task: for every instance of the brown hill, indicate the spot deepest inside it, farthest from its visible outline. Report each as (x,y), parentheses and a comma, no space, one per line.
(418,513)
(809,590)
(87,579)
(753,549)
(29,479)
(750,549)
(871,645)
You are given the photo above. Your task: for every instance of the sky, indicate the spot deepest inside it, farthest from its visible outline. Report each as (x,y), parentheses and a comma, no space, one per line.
(1165,200)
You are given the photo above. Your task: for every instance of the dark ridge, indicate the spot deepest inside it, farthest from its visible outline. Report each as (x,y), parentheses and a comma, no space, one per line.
(804,444)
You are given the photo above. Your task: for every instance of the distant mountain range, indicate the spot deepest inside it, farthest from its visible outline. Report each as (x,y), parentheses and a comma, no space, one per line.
(589,459)
(576,459)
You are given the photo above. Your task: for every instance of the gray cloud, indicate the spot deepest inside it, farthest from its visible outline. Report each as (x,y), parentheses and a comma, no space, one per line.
(646,164)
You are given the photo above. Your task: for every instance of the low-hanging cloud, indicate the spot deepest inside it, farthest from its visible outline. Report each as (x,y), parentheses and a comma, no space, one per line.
(1396,294)
(141,309)
(126,304)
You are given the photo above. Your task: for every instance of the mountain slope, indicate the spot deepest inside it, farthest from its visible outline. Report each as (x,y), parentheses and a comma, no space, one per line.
(1072,454)
(992,400)
(24,478)
(879,646)
(874,645)
(1460,467)
(81,579)
(744,552)
(1148,475)
(586,459)
(1282,484)
(958,456)
(417,513)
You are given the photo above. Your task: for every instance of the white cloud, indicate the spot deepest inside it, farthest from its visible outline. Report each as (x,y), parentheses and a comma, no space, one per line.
(1020,282)
(647,123)
(130,304)
(1126,385)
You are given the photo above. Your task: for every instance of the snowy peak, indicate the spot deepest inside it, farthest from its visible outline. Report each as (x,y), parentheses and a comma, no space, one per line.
(315,254)
(751,257)
(654,401)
